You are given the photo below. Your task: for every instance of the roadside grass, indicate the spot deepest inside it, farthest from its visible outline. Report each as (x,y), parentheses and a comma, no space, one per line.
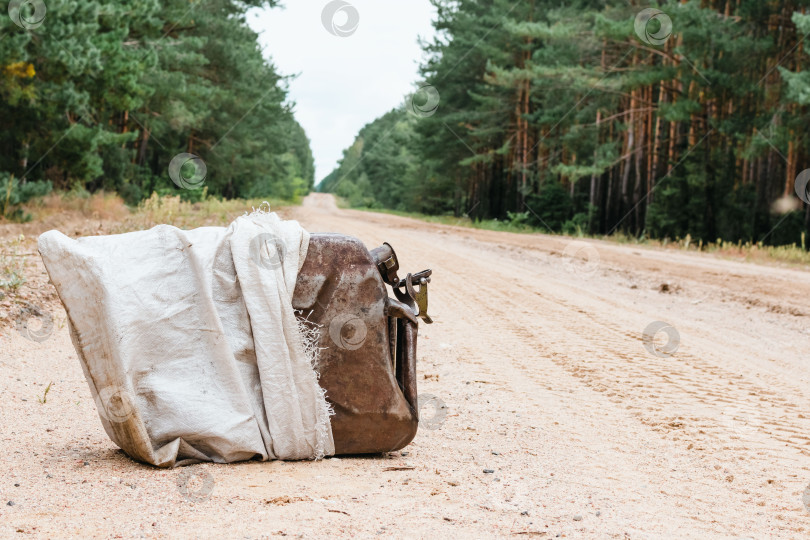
(486,224)
(117,217)
(12,265)
(44,398)
(748,251)
(101,205)
(82,214)
(210,211)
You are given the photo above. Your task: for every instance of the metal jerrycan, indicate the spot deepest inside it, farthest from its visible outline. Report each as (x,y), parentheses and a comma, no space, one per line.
(367,361)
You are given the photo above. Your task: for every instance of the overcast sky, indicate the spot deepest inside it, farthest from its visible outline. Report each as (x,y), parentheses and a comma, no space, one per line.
(345,81)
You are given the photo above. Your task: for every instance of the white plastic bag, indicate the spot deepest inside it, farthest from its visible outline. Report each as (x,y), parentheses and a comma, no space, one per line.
(189,342)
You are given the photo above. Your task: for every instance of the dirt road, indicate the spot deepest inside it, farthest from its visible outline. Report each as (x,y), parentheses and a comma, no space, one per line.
(539,358)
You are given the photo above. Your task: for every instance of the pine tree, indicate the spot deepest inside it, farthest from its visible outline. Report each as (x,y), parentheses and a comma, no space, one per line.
(104,94)
(590,116)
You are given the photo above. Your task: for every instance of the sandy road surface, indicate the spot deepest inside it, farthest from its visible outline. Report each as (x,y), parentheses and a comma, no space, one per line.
(540,361)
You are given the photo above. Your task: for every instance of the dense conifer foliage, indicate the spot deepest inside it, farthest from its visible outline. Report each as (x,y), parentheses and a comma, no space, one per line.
(102,94)
(662,119)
